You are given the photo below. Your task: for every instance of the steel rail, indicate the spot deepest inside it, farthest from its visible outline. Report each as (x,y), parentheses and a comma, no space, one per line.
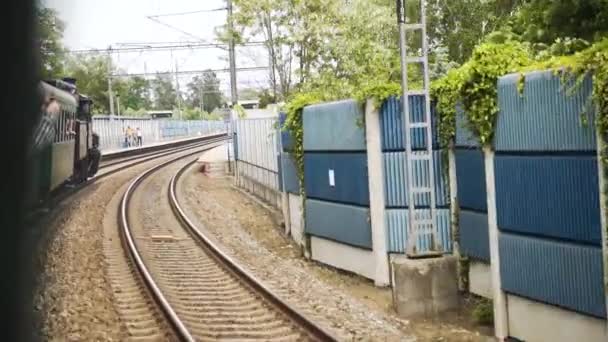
(158,153)
(64,192)
(231,265)
(166,309)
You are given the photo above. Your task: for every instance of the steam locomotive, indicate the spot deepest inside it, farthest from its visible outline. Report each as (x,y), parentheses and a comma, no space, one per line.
(73,156)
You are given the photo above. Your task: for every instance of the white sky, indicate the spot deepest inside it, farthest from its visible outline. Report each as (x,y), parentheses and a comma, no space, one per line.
(100,23)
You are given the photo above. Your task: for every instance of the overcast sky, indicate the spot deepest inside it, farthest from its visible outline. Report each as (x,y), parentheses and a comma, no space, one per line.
(98,24)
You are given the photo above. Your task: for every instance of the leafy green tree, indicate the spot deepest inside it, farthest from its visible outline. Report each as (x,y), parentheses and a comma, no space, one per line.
(50,32)
(544,21)
(207,85)
(249,94)
(266,98)
(197,114)
(135,93)
(134,112)
(163,92)
(91,74)
(460,25)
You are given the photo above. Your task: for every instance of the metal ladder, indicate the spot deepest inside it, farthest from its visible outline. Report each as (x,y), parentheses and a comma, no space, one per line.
(421,220)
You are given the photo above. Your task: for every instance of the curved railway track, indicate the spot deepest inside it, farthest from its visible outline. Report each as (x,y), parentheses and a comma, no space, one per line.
(115,165)
(202,292)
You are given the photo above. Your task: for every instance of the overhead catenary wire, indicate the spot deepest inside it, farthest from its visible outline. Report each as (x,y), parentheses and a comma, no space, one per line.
(187,13)
(188,72)
(168,47)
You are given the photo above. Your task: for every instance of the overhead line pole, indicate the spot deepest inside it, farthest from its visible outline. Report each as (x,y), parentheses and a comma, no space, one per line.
(179,102)
(232,57)
(233,91)
(110,80)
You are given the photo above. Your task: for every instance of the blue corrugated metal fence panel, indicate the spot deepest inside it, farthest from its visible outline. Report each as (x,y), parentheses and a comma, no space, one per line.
(334,126)
(474,235)
(464,136)
(396,227)
(471,179)
(391,121)
(553,196)
(342,223)
(395,180)
(547,117)
(350,177)
(559,273)
(289,173)
(286,139)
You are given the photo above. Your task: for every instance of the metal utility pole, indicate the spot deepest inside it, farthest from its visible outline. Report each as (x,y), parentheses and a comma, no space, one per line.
(202,98)
(179,102)
(231,55)
(110,95)
(118,104)
(233,92)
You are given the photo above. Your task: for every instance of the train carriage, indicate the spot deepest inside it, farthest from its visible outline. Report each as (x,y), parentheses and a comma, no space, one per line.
(73,155)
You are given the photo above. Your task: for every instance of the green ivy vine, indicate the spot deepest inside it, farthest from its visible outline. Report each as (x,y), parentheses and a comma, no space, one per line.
(475,85)
(479,92)
(446,94)
(378,91)
(294,125)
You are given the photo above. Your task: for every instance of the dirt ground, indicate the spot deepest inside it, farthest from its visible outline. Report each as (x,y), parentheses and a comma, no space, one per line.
(250,232)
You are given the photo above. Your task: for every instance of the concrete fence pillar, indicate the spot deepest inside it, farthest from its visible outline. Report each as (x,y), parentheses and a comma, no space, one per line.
(601,145)
(454,217)
(376,192)
(501,322)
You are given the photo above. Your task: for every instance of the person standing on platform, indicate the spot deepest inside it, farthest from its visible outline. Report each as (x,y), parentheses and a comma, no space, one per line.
(139,137)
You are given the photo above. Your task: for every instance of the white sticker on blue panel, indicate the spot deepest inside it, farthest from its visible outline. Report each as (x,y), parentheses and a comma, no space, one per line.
(332,181)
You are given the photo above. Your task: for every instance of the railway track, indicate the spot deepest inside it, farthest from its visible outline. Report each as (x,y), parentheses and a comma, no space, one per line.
(114,165)
(110,167)
(202,293)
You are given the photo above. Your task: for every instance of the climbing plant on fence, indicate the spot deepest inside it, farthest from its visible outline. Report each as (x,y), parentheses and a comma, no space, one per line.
(479,92)
(293,124)
(475,85)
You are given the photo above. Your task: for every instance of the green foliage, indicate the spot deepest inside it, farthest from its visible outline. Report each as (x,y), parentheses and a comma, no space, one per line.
(266,98)
(91,74)
(163,91)
(544,21)
(240,111)
(134,112)
(50,32)
(483,313)
(446,93)
(196,114)
(378,91)
(293,124)
(478,92)
(460,25)
(207,89)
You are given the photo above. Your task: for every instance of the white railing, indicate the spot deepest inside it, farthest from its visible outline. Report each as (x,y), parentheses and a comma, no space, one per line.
(112,130)
(256,151)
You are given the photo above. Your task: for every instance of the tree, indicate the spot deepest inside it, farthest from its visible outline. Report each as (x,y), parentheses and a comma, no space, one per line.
(266,98)
(163,92)
(460,25)
(135,93)
(249,93)
(293,31)
(544,21)
(50,33)
(209,86)
(91,74)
